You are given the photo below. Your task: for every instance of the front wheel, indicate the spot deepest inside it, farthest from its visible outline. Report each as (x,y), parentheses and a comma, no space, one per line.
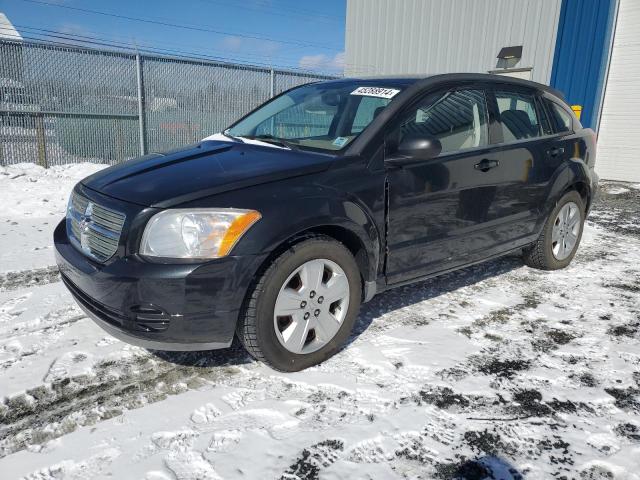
(558,242)
(302,309)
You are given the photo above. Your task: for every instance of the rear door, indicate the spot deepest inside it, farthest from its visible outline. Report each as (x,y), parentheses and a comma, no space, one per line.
(524,153)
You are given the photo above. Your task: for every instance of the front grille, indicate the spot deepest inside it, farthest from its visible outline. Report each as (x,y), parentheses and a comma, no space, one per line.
(94,229)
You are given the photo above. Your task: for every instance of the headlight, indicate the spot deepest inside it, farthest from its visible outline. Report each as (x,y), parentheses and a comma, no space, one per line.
(196,233)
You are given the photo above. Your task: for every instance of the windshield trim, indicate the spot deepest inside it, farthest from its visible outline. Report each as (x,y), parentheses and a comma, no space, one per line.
(274,140)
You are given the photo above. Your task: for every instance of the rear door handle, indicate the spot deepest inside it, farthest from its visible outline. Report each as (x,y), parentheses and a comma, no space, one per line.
(554,152)
(485,165)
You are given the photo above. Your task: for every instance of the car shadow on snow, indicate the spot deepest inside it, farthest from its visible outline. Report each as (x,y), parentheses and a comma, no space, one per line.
(482,468)
(385,302)
(226,357)
(414,293)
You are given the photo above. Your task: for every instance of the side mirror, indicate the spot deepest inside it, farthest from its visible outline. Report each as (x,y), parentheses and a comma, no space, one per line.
(414,150)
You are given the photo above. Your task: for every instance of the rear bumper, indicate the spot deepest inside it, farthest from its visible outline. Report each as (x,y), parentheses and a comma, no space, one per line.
(595,189)
(159,306)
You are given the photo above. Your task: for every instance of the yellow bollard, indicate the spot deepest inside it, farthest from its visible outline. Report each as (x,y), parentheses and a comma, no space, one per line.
(577,109)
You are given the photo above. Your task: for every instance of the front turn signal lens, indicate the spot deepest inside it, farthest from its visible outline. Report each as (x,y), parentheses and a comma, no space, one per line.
(236,230)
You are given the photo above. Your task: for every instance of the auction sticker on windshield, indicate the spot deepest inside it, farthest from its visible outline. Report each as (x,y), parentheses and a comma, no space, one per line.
(376,92)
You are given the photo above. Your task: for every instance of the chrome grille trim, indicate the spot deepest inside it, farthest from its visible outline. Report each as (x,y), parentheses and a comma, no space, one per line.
(94,229)
(79,202)
(108,218)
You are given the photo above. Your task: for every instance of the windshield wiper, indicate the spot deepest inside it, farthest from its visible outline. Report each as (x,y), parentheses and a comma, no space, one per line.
(232,137)
(267,137)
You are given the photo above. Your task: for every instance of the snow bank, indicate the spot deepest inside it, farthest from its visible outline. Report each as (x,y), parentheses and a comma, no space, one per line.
(32,201)
(28,190)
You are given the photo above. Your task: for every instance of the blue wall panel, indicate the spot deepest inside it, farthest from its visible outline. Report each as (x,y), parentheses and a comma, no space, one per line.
(582,47)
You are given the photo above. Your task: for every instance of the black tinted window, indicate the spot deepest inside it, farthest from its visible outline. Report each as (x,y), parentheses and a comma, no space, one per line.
(458,119)
(560,118)
(518,115)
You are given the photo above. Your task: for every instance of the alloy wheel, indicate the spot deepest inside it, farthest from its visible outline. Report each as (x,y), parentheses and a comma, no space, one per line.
(565,231)
(311,306)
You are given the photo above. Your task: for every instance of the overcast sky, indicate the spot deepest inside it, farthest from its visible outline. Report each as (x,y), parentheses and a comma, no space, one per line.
(288,33)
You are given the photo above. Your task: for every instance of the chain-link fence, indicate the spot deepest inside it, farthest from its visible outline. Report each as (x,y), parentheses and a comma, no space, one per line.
(63,104)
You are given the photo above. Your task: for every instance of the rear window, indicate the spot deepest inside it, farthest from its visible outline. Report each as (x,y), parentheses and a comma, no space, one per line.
(518,116)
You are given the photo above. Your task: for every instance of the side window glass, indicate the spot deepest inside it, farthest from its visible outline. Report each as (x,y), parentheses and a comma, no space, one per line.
(518,116)
(368,109)
(561,118)
(458,119)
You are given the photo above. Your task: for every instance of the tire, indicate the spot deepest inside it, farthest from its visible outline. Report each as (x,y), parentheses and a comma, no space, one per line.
(547,253)
(262,332)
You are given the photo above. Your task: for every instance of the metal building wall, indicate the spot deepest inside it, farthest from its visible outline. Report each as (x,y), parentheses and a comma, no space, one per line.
(439,36)
(620,122)
(582,49)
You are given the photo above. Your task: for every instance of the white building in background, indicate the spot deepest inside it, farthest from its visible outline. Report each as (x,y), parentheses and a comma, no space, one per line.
(441,36)
(7,30)
(588,49)
(8,85)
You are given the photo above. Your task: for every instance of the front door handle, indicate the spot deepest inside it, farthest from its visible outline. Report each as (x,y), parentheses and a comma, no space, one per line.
(554,152)
(485,165)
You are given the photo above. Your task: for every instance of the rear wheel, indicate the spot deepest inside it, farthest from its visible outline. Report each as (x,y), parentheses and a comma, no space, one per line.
(303,307)
(560,236)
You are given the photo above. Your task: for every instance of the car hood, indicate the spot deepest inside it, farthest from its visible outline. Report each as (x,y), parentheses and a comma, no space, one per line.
(207,168)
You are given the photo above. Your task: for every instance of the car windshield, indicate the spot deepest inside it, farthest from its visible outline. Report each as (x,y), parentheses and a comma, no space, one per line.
(322,116)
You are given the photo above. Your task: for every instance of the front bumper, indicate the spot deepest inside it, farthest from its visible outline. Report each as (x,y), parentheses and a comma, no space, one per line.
(159,306)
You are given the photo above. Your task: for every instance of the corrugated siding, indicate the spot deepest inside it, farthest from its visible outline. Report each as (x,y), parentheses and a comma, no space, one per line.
(582,48)
(441,36)
(618,157)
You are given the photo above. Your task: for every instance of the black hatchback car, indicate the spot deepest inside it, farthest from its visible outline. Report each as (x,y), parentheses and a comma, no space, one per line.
(278,228)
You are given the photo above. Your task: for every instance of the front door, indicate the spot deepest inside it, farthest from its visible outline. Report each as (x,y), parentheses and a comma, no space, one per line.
(463,205)
(438,207)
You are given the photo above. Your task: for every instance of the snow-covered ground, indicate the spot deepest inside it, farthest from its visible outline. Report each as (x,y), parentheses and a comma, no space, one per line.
(32,201)
(494,370)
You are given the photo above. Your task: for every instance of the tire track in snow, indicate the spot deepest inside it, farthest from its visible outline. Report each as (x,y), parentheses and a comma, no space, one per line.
(28,278)
(45,328)
(111,387)
(23,334)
